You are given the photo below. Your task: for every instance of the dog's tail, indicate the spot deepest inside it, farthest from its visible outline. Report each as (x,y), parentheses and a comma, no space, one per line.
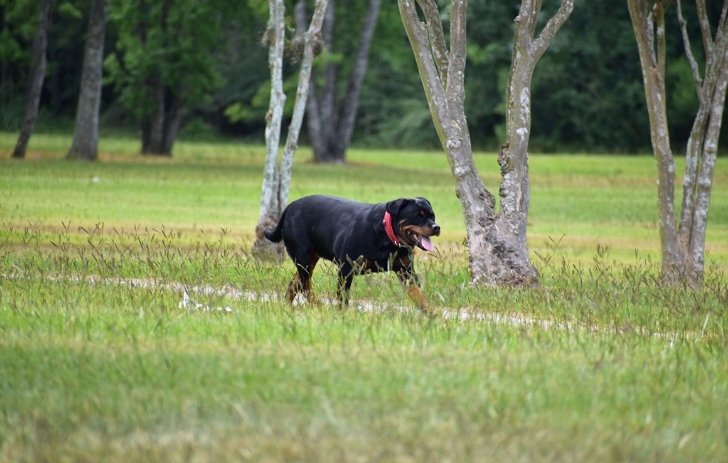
(276,235)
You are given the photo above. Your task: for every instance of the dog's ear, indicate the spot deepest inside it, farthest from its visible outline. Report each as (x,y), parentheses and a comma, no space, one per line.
(393,207)
(420,198)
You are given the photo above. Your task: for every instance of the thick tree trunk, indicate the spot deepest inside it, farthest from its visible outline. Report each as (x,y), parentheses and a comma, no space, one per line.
(40,45)
(497,248)
(86,132)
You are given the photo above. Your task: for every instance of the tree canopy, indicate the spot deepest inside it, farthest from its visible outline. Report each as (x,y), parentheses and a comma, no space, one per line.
(587,90)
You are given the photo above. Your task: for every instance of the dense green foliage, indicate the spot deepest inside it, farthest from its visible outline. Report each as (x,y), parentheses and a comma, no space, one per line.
(587,91)
(103,358)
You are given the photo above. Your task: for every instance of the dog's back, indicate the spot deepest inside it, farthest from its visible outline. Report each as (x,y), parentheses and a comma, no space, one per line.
(316,224)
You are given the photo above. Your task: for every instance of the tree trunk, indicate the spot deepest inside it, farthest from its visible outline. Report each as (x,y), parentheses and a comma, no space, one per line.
(331,124)
(270,207)
(277,178)
(158,120)
(40,45)
(702,148)
(513,158)
(682,244)
(497,248)
(86,132)
(356,79)
(173,120)
(652,61)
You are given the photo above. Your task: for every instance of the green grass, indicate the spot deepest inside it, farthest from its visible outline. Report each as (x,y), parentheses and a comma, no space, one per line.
(101,361)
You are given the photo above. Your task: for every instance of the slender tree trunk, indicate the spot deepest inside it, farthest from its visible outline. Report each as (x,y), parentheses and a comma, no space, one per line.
(321,103)
(86,132)
(313,117)
(702,148)
(331,121)
(270,207)
(351,100)
(653,65)
(497,248)
(277,176)
(683,243)
(40,45)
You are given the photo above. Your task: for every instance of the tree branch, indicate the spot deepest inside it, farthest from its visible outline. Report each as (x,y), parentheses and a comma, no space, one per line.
(552,27)
(533,17)
(704,23)
(659,11)
(458,52)
(434,87)
(436,37)
(689,52)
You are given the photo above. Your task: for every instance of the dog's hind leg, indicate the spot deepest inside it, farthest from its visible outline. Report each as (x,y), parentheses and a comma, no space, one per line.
(346,277)
(301,282)
(305,277)
(294,287)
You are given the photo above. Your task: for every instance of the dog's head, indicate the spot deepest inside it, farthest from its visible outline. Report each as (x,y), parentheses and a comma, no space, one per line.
(413,222)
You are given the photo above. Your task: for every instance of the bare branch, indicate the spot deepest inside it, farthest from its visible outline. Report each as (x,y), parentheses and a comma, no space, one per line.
(552,27)
(659,14)
(525,25)
(723,14)
(722,29)
(436,37)
(689,52)
(531,8)
(704,25)
(458,52)
(433,86)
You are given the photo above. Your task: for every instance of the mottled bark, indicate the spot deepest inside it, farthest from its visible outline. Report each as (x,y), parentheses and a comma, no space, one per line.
(497,249)
(277,174)
(702,148)
(682,242)
(528,47)
(35,84)
(86,132)
(270,206)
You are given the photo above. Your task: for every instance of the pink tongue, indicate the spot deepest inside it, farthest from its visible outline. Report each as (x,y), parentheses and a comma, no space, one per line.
(426,243)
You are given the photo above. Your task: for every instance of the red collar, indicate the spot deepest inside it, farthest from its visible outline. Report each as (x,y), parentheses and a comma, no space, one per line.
(387,222)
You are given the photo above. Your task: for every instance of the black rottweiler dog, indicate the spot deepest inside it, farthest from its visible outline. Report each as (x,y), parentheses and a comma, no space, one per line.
(358,238)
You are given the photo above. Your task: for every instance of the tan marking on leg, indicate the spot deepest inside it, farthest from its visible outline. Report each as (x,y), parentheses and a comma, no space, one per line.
(307,287)
(415,292)
(294,287)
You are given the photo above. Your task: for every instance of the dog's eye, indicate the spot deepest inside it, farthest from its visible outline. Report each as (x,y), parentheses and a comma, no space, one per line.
(421,214)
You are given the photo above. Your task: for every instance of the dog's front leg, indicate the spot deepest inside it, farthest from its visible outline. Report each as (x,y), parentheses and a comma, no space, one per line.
(411,285)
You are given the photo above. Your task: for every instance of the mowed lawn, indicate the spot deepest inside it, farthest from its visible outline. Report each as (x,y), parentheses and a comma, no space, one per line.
(136,326)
